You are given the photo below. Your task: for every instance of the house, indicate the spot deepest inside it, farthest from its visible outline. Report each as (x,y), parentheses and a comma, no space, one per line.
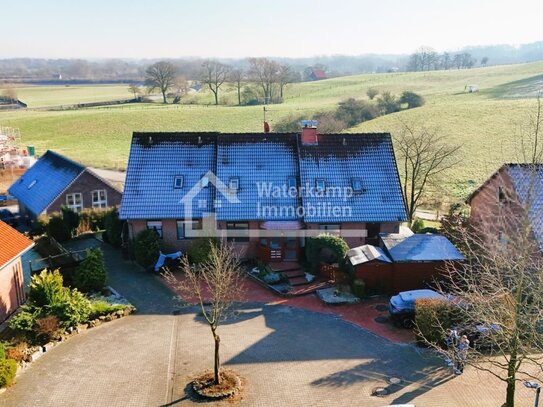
(511,195)
(317,75)
(12,246)
(265,193)
(55,181)
(403,261)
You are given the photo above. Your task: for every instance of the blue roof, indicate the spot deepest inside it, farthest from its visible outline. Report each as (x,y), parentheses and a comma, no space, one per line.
(155,160)
(42,183)
(528,183)
(423,247)
(340,158)
(260,163)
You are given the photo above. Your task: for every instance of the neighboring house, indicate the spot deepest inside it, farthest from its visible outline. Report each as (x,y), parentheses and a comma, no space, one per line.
(317,75)
(404,261)
(270,190)
(12,246)
(501,202)
(54,181)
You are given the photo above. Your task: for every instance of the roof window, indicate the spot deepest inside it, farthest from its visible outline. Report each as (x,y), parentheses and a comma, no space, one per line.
(356,185)
(204,182)
(320,184)
(233,183)
(32,184)
(178,182)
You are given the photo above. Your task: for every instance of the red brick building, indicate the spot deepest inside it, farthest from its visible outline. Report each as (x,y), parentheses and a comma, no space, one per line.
(12,246)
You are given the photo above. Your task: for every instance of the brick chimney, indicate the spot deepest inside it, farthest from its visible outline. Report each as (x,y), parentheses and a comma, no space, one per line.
(309,134)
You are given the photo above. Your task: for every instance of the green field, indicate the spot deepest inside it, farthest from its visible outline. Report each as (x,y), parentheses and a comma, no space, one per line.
(486,124)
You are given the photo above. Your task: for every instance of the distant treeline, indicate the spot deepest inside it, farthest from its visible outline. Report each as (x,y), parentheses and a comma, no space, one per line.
(132,70)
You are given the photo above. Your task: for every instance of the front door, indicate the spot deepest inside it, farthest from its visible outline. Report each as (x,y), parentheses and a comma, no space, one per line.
(281,248)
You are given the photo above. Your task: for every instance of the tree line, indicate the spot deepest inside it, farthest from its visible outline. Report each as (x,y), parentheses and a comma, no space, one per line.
(428,59)
(263,82)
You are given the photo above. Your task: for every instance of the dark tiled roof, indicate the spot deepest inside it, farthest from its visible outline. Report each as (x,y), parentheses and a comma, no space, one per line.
(155,160)
(268,159)
(37,188)
(337,159)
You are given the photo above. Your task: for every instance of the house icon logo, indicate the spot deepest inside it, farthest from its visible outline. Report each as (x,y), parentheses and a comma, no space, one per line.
(209,225)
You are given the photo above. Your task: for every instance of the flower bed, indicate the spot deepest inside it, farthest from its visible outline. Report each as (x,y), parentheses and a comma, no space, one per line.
(334,296)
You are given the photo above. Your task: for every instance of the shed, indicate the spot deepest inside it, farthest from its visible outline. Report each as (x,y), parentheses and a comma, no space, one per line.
(417,259)
(372,265)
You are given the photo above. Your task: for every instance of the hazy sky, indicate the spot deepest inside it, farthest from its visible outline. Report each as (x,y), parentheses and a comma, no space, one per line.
(237,28)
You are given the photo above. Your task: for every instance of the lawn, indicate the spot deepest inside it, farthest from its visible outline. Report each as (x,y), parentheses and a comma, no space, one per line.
(486,124)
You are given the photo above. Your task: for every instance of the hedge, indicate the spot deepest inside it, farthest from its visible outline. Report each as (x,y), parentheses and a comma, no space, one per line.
(315,245)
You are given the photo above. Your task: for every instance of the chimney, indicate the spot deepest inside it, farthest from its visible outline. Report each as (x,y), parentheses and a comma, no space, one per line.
(309,132)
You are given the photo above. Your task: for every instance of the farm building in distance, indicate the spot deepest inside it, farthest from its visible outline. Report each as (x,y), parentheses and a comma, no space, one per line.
(317,75)
(55,181)
(12,246)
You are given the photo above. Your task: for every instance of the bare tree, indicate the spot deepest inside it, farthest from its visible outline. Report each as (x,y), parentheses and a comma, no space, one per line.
(265,73)
(216,285)
(10,93)
(285,76)
(214,74)
(135,89)
(161,76)
(423,155)
(237,76)
(531,145)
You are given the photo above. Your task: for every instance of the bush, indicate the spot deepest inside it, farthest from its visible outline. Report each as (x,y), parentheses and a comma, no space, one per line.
(198,251)
(432,318)
(329,123)
(289,124)
(146,248)
(388,103)
(325,248)
(372,92)
(47,328)
(2,350)
(8,369)
(92,220)
(91,274)
(57,229)
(353,112)
(412,99)
(46,289)
(70,218)
(99,308)
(113,228)
(73,310)
(24,321)
(17,352)
(417,225)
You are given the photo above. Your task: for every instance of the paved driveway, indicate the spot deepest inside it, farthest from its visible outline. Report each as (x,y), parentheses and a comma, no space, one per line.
(289,357)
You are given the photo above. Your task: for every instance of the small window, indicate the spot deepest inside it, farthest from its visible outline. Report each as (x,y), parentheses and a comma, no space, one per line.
(204,182)
(240,232)
(320,184)
(182,226)
(333,229)
(32,184)
(75,201)
(99,198)
(178,182)
(155,225)
(356,185)
(233,183)
(292,182)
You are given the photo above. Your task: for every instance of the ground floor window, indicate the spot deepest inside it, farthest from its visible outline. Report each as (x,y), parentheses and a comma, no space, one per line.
(182,226)
(333,229)
(75,201)
(240,229)
(99,198)
(155,225)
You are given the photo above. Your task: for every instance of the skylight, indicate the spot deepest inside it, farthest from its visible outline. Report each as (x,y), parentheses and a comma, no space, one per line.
(205,181)
(291,182)
(32,184)
(178,182)
(320,184)
(233,183)
(356,185)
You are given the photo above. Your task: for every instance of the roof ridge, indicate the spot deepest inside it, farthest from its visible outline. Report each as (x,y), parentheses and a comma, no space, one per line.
(62,157)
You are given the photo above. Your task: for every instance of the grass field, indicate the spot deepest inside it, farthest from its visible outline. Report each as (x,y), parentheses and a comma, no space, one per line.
(485,123)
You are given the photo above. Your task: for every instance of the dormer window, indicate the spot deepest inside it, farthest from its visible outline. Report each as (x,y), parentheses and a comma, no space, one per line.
(32,184)
(233,184)
(356,185)
(320,184)
(178,182)
(204,182)
(292,182)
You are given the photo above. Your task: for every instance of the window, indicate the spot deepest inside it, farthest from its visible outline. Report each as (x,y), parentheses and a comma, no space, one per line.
(501,195)
(320,184)
(233,184)
(178,182)
(75,201)
(99,199)
(155,225)
(32,184)
(333,229)
(292,182)
(356,185)
(237,232)
(182,227)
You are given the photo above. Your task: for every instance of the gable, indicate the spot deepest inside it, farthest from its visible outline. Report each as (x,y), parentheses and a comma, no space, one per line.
(12,244)
(44,181)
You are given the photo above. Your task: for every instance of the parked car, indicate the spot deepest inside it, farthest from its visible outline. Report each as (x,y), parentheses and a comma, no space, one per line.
(8,217)
(479,335)
(402,306)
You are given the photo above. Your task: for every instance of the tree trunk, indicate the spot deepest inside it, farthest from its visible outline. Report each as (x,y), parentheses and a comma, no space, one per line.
(216,97)
(217,362)
(239,94)
(511,382)
(164,97)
